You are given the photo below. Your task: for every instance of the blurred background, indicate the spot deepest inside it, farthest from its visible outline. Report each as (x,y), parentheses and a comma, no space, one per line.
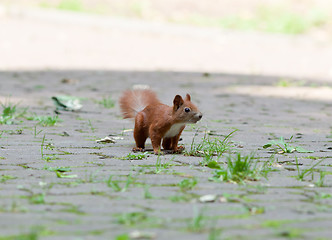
(262,37)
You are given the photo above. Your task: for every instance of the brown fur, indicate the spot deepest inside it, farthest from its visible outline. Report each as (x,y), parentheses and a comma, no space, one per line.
(156,120)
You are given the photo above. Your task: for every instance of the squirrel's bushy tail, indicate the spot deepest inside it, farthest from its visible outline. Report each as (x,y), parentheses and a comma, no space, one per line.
(134,101)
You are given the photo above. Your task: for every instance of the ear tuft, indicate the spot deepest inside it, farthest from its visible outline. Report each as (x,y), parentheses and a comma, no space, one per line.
(178,101)
(188,98)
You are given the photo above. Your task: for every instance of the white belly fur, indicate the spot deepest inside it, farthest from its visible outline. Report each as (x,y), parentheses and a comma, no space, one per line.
(174,130)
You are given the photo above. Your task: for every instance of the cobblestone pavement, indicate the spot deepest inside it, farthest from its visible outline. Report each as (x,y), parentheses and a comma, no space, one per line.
(57,182)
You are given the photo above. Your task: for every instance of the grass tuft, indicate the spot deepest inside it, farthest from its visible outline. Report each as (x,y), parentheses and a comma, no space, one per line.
(10,113)
(281,146)
(107,102)
(45,121)
(210,148)
(239,169)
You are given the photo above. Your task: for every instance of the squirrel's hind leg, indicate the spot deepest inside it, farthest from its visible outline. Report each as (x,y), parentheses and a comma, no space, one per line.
(140,134)
(167,143)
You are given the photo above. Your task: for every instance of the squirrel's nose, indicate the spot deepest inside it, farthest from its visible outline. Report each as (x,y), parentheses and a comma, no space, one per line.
(200,116)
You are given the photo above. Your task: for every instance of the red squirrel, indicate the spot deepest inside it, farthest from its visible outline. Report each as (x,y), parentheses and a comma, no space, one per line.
(156,120)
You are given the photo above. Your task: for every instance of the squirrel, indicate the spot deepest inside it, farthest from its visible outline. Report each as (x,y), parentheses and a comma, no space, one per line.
(156,120)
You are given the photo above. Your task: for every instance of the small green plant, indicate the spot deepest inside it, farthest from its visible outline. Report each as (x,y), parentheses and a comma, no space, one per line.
(48,146)
(198,221)
(139,156)
(187,184)
(321,195)
(209,148)
(184,197)
(147,193)
(93,129)
(45,121)
(38,198)
(107,102)
(116,184)
(34,234)
(5,178)
(10,112)
(139,219)
(281,146)
(320,181)
(35,133)
(61,174)
(254,210)
(214,234)
(131,219)
(160,166)
(239,169)
(306,172)
(124,236)
(57,169)
(42,146)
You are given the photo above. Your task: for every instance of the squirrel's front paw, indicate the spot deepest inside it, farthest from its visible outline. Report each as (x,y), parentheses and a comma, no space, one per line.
(137,149)
(179,149)
(159,152)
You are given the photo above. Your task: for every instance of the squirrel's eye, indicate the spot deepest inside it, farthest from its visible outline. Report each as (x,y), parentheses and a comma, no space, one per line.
(187,109)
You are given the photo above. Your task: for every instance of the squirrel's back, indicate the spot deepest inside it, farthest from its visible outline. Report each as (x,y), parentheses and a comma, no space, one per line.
(134,101)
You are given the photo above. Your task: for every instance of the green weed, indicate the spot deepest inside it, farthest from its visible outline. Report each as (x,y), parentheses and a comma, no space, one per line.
(320,181)
(291,233)
(73,209)
(42,147)
(281,146)
(116,184)
(138,219)
(147,194)
(61,172)
(107,102)
(187,184)
(124,236)
(93,129)
(139,156)
(34,234)
(209,148)
(239,169)
(276,223)
(47,146)
(284,82)
(131,219)
(254,210)
(38,198)
(198,222)
(184,197)
(321,195)
(57,169)
(214,234)
(35,132)
(10,113)
(16,208)
(160,166)
(5,178)
(45,121)
(306,172)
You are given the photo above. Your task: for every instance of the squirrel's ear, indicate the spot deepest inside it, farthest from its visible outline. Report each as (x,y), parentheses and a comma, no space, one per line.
(178,101)
(188,97)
